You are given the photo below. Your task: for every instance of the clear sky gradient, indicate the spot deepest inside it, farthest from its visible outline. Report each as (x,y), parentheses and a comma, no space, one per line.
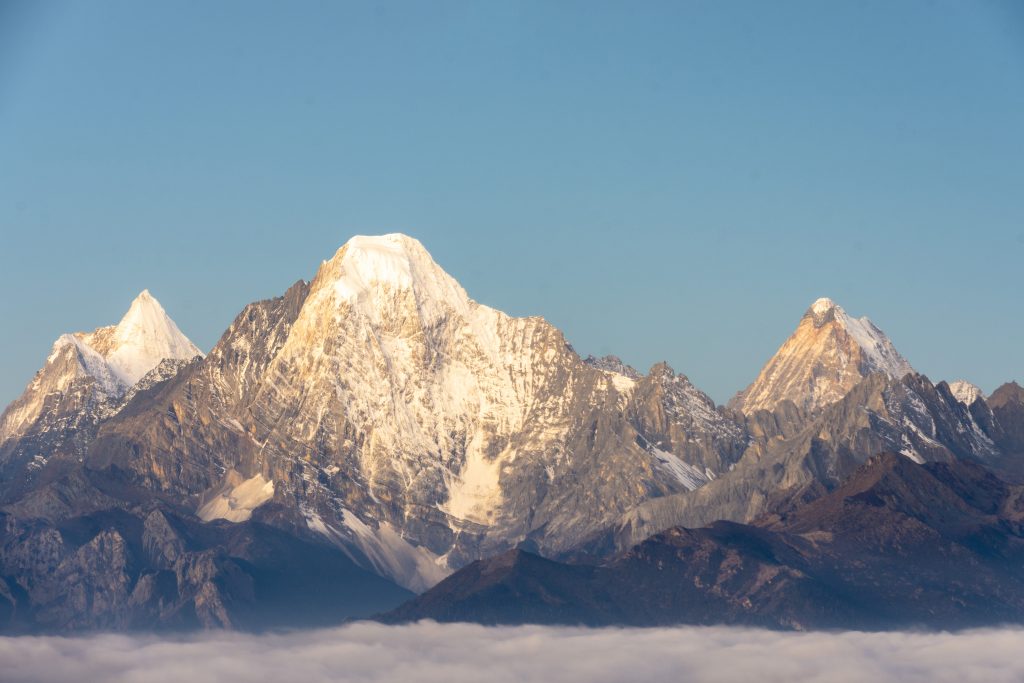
(664,181)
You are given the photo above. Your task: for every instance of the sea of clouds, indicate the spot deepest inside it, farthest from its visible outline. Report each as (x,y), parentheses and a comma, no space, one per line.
(459,653)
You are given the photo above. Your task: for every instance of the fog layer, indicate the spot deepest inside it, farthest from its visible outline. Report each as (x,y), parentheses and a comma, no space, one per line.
(432,652)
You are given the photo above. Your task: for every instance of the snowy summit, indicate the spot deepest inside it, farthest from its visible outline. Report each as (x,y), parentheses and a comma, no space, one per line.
(829,353)
(103,364)
(965,392)
(145,336)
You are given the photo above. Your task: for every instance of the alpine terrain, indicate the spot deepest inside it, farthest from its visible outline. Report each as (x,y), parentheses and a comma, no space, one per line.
(829,353)
(369,432)
(87,378)
(390,415)
(897,545)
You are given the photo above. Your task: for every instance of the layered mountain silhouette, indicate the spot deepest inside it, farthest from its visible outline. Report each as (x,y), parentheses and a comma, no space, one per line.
(378,426)
(897,545)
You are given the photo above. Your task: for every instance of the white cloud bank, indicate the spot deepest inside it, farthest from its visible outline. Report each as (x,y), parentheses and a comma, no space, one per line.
(430,652)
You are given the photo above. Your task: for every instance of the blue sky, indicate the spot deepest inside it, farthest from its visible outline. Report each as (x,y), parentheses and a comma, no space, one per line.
(672,181)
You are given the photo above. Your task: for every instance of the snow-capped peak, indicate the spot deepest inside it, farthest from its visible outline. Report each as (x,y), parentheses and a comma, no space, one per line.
(395,260)
(383,258)
(119,355)
(369,272)
(110,359)
(822,306)
(828,354)
(145,336)
(965,392)
(879,354)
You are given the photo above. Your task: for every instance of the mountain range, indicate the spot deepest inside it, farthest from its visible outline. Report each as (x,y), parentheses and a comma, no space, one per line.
(897,545)
(375,433)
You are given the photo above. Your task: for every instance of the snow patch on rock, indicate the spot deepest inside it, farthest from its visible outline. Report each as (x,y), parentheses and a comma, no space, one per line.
(475,494)
(389,554)
(236,503)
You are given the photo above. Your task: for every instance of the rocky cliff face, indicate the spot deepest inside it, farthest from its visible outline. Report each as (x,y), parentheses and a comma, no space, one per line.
(1002,415)
(792,460)
(147,567)
(1007,406)
(829,353)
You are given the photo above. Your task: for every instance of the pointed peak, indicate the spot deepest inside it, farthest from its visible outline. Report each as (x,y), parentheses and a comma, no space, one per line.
(144,300)
(145,336)
(144,311)
(824,311)
(828,354)
(965,392)
(822,306)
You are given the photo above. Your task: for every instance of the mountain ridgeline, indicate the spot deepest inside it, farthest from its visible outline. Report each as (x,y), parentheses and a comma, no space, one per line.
(370,432)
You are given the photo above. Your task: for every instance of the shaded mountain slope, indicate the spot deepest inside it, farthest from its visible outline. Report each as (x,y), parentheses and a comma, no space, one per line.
(793,461)
(154,569)
(897,545)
